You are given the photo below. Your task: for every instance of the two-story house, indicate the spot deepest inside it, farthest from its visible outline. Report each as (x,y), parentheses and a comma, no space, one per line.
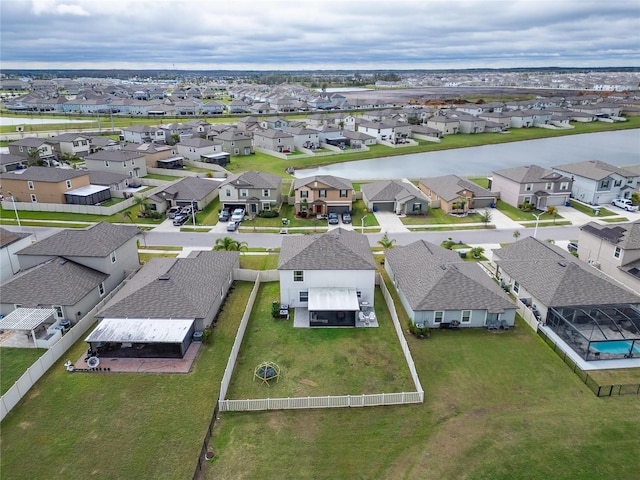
(119,161)
(152,152)
(33,148)
(52,185)
(327,277)
(391,131)
(304,137)
(273,140)
(72,270)
(254,191)
(454,194)
(614,249)
(235,142)
(531,184)
(143,134)
(10,243)
(196,148)
(323,194)
(71,144)
(446,125)
(596,182)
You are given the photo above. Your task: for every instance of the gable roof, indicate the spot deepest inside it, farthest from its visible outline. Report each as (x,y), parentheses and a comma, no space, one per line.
(557,278)
(114,155)
(57,281)
(449,187)
(434,278)
(189,188)
(387,190)
(44,174)
(593,169)
(96,241)
(253,179)
(173,287)
(7,237)
(529,174)
(198,142)
(337,183)
(106,178)
(338,249)
(623,235)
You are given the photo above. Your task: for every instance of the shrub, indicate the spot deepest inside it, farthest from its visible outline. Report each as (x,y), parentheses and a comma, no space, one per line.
(526,207)
(269,214)
(418,331)
(275,309)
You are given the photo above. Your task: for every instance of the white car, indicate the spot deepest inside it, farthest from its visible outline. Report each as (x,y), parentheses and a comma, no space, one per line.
(237,215)
(625,204)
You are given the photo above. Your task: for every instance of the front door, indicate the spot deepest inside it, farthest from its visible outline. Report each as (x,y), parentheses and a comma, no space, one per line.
(318,208)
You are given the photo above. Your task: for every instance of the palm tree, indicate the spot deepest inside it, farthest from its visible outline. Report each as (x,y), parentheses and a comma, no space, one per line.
(386,242)
(229,244)
(553,211)
(142,203)
(516,234)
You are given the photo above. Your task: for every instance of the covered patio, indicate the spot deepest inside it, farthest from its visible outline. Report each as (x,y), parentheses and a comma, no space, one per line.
(333,307)
(33,322)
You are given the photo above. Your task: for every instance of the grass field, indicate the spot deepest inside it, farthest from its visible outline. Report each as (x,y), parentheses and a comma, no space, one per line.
(589,210)
(436,216)
(14,362)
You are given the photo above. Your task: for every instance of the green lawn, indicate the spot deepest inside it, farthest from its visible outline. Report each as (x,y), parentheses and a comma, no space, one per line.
(436,216)
(107,426)
(319,361)
(14,362)
(259,262)
(589,209)
(497,406)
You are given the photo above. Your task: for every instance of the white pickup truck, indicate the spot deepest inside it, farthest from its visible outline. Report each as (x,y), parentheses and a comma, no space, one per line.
(625,204)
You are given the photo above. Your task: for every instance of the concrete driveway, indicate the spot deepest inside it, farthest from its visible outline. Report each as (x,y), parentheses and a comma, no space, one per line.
(390,222)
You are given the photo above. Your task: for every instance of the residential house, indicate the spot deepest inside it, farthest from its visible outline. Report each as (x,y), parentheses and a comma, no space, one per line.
(357,139)
(613,249)
(104,143)
(158,312)
(196,148)
(235,142)
(143,134)
(454,194)
(531,184)
(425,133)
(468,123)
(71,144)
(188,191)
(33,148)
(119,161)
(328,276)
(273,140)
(117,183)
(10,162)
(445,125)
(439,289)
(388,131)
(501,118)
(323,194)
(10,244)
(51,185)
(394,196)
(254,191)
(596,182)
(213,108)
(275,123)
(152,152)
(304,137)
(72,270)
(237,106)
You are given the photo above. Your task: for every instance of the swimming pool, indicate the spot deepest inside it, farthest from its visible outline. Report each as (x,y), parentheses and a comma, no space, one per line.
(618,347)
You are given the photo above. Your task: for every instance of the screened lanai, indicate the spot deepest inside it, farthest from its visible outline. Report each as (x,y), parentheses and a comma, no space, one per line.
(602,332)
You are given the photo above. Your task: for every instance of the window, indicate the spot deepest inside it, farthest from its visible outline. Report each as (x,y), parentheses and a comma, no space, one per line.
(57,310)
(417,207)
(304,193)
(124,164)
(244,192)
(516,287)
(227,192)
(68,183)
(548,186)
(33,198)
(298,276)
(106,163)
(466,316)
(322,194)
(617,252)
(604,184)
(343,194)
(113,257)
(527,199)
(617,183)
(30,185)
(304,296)
(101,289)
(359,294)
(564,186)
(528,187)
(437,317)
(266,192)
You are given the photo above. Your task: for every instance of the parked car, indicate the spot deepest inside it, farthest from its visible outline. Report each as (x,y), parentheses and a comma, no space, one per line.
(224,215)
(232,226)
(180,219)
(173,211)
(625,204)
(572,247)
(238,215)
(346,217)
(333,218)
(188,210)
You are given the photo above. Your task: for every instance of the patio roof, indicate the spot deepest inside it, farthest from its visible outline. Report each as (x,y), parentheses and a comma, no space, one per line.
(26,318)
(333,299)
(141,330)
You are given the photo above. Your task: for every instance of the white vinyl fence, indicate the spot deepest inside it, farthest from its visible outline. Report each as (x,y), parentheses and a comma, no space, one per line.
(28,379)
(328,401)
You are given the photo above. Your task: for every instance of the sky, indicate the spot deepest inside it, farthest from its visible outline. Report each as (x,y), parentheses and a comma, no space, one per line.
(318,35)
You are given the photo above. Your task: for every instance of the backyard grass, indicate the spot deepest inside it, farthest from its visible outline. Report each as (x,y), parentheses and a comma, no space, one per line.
(259,262)
(588,209)
(319,361)
(436,216)
(119,425)
(14,362)
(145,257)
(490,412)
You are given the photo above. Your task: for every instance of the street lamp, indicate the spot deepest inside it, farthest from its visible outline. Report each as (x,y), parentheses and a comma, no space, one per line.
(535,232)
(193,214)
(15,209)
(362,221)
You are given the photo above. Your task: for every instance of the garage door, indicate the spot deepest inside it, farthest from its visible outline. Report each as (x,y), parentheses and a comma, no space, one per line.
(383,207)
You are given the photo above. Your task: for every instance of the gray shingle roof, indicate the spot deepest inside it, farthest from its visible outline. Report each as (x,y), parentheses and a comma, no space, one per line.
(198,142)
(434,278)
(173,287)
(389,190)
(55,282)
(338,183)
(528,174)
(96,241)
(114,156)
(450,186)
(43,174)
(7,237)
(253,179)
(623,235)
(9,158)
(106,178)
(593,169)
(557,278)
(190,188)
(338,249)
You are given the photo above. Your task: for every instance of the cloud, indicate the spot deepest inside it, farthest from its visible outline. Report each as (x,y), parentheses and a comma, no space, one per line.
(287,34)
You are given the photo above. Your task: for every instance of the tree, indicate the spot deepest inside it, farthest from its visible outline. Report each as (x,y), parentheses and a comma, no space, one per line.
(635,198)
(516,234)
(229,244)
(486,217)
(476,252)
(386,242)
(553,211)
(142,203)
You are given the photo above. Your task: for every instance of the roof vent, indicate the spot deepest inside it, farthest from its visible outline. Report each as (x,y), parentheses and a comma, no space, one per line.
(562,264)
(443,267)
(164,277)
